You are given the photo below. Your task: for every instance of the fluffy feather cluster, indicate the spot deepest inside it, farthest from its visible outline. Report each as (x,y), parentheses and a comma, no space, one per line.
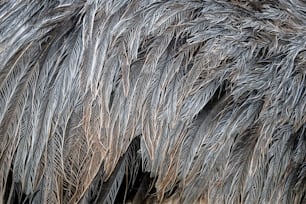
(208,96)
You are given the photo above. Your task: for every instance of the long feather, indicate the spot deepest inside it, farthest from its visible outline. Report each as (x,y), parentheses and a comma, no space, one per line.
(204,101)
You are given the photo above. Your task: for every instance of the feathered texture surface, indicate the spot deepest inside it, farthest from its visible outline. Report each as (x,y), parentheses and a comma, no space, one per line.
(206,96)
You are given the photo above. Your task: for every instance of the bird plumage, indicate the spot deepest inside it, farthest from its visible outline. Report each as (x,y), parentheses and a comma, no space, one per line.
(207,97)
